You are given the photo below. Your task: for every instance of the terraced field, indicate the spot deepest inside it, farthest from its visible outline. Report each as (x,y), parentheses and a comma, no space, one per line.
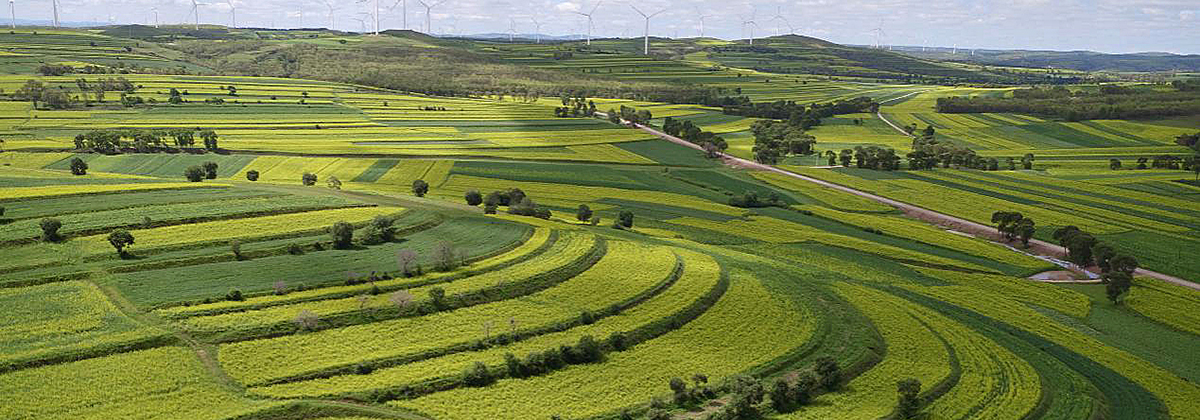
(238,300)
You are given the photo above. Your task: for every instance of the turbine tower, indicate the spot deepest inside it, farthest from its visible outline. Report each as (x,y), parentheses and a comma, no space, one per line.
(232,14)
(537,29)
(879,35)
(153,10)
(330,5)
(375,15)
(590,23)
(362,23)
(429,13)
(778,17)
(403,11)
(55,4)
(195,12)
(512,29)
(750,23)
(701,16)
(12,11)
(647,32)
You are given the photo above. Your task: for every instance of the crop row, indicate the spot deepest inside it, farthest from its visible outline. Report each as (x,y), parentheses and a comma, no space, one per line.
(833,198)
(718,343)
(261,361)
(538,242)
(459,184)
(66,321)
(62,206)
(1167,303)
(161,383)
(174,214)
(701,275)
(336,313)
(23,193)
(1174,392)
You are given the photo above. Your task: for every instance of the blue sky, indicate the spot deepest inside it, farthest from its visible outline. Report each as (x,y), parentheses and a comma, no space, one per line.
(1099,25)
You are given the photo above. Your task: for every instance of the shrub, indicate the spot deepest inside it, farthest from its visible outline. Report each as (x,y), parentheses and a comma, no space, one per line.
(625,218)
(829,372)
(120,239)
(334,183)
(295,249)
(210,170)
(306,319)
(909,399)
(342,234)
(437,296)
(280,288)
(407,260)
(473,198)
(235,295)
(78,167)
(489,209)
(194,173)
(420,188)
(50,227)
(308,179)
(363,369)
(252,175)
(445,256)
(236,247)
(584,213)
(477,375)
(595,220)
(379,231)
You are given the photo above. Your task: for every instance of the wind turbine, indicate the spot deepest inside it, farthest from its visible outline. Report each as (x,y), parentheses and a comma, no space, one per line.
(879,35)
(750,23)
(55,4)
(232,14)
(701,17)
(403,10)
(590,24)
(152,10)
(778,17)
(429,13)
(195,12)
(512,29)
(12,11)
(330,5)
(362,23)
(374,15)
(300,15)
(647,17)
(537,29)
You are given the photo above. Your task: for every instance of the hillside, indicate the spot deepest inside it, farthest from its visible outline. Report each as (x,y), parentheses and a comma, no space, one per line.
(1088,61)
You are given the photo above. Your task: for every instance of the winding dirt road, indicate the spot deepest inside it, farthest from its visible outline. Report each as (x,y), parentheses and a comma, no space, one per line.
(1037,247)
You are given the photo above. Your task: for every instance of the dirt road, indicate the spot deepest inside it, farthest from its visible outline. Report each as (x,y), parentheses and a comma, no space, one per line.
(1037,247)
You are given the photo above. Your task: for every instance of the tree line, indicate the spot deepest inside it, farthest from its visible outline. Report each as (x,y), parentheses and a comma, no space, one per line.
(1109,102)
(1083,249)
(145,141)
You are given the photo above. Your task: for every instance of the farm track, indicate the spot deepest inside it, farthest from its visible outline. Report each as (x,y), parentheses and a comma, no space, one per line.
(955,223)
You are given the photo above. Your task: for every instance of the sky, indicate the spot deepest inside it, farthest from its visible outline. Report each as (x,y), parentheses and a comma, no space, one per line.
(1113,26)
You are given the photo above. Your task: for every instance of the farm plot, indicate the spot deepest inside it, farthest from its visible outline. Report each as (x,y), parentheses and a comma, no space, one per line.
(716,344)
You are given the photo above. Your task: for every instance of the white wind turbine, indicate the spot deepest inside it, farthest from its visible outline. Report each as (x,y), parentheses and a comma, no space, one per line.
(232,14)
(154,10)
(331,6)
(779,17)
(701,16)
(403,11)
(429,13)
(195,13)
(512,29)
(54,3)
(590,24)
(12,11)
(374,16)
(537,29)
(879,34)
(646,37)
(751,24)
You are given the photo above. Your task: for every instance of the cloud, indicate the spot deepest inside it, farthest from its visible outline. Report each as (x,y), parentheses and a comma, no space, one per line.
(567,6)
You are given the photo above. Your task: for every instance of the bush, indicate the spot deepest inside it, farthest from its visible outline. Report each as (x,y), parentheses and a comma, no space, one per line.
(252,175)
(308,179)
(489,209)
(420,188)
(829,372)
(379,231)
(584,213)
(342,234)
(210,170)
(625,218)
(478,375)
(235,295)
(295,249)
(236,247)
(50,227)
(334,183)
(78,167)
(120,239)
(473,198)
(909,398)
(595,220)
(194,173)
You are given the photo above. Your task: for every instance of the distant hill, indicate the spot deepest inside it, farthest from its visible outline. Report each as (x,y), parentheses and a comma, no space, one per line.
(1089,61)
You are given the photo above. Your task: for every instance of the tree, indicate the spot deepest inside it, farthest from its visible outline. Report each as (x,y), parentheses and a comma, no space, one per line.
(829,372)
(342,234)
(1103,253)
(407,260)
(437,296)
(1123,263)
(401,299)
(334,183)
(477,375)
(50,227)
(1119,283)
(584,213)
(252,175)
(210,170)
(420,188)
(806,385)
(1078,244)
(120,239)
(625,219)
(1114,164)
(235,246)
(781,395)
(909,398)
(832,157)
(78,167)
(444,256)
(473,198)
(210,139)
(194,173)
(1027,161)
(308,179)
(33,91)
(306,319)
(1025,230)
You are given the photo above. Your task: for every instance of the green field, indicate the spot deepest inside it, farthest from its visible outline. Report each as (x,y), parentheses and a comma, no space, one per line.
(241,299)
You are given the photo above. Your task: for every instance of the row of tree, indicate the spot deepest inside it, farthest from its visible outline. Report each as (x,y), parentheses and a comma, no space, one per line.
(1084,249)
(575,108)
(795,113)
(712,143)
(145,141)
(1014,225)
(1114,102)
(775,140)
